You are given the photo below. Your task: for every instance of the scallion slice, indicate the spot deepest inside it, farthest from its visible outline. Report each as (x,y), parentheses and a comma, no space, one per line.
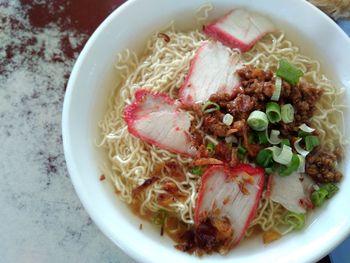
(251,138)
(331,189)
(160,217)
(258,121)
(299,149)
(287,113)
(274,137)
(210,106)
(241,151)
(285,142)
(306,128)
(273,112)
(302,134)
(288,72)
(210,146)
(227,119)
(277,92)
(281,155)
(264,158)
(268,170)
(311,142)
(197,170)
(262,137)
(318,197)
(292,166)
(295,219)
(322,193)
(301,168)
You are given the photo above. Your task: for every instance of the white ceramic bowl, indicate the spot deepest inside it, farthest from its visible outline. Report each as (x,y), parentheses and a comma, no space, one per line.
(85,104)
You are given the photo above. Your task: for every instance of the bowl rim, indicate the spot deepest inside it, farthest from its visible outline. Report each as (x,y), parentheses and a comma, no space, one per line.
(69,153)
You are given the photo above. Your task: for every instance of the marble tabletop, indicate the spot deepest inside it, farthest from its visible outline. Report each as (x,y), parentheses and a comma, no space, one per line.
(41,217)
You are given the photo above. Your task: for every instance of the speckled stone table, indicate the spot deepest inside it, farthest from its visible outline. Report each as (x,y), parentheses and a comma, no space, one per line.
(41,218)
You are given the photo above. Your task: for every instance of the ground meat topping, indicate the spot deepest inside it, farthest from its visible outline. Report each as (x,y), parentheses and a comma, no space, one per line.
(261,90)
(257,87)
(220,97)
(222,152)
(210,235)
(212,123)
(196,136)
(321,166)
(303,97)
(250,72)
(257,82)
(241,106)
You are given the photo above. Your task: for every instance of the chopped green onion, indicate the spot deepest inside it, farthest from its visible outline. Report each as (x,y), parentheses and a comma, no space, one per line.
(197,170)
(210,146)
(301,168)
(281,155)
(306,128)
(228,119)
(331,189)
(241,151)
(277,168)
(160,217)
(210,106)
(292,166)
(258,121)
(326,191)
(287,113)
(264,158)
(299,149)
(211,139)
(285,142)
(269,170)
(251,138)
(311,142)
(274,137)
(273,112)
(302,134)
(288,72)
(262,137)
(318,197)
(295,219)
(277,92)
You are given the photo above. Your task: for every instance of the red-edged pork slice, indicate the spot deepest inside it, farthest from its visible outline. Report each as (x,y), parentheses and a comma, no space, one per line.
(156,119)
(212,70)
(233,192)
(292,192)
(239,29)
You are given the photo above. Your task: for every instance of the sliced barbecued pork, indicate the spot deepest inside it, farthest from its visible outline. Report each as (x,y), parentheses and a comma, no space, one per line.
(157,119)
(212,70)
(230,194)
(239,29)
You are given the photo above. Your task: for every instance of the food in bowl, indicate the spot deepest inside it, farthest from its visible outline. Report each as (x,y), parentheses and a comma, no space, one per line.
(223,132)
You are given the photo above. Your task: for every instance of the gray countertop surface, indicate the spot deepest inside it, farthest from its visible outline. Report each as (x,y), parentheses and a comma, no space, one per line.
(41,217)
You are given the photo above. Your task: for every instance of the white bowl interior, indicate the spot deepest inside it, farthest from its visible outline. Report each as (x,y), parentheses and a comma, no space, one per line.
(85,104)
